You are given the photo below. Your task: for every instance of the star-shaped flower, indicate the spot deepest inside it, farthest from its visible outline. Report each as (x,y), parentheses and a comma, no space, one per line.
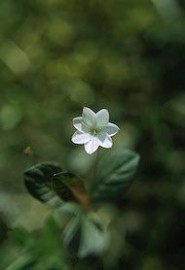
(94,130)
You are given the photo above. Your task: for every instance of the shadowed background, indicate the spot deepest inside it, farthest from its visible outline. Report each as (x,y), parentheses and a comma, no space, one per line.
(57,56)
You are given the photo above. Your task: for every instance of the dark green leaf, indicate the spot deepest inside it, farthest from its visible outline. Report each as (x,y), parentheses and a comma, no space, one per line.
(114,175)
(38,180)
(48,183)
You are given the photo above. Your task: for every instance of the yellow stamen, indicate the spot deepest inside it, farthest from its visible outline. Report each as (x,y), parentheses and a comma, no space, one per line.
(94,131)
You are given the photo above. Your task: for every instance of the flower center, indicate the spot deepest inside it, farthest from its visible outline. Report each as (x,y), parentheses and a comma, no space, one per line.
(94,131)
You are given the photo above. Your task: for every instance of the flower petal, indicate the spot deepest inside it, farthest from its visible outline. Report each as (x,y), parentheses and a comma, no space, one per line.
(92,145)
(102,118)
(80,125)
(111,129)
(80,138)
(89,117)
(104,140)
(77,123)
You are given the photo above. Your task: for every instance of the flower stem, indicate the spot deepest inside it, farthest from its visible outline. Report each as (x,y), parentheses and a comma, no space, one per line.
(93,170)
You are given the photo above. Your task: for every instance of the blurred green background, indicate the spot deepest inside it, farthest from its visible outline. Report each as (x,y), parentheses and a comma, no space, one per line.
(57,56)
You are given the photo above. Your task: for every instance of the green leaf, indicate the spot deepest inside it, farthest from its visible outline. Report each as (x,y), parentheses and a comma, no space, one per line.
(41,250)
(94,238)
(48,183)
(84,234)
(38,181)
(21,237)
(73,231)
(115,172)
(47,243)
(26,261)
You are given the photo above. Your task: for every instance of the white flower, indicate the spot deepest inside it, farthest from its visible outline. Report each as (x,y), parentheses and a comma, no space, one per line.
(94,130)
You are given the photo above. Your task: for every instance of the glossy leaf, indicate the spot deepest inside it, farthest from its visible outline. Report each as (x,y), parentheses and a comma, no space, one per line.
(38,181)
(50,184)
(114,175)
